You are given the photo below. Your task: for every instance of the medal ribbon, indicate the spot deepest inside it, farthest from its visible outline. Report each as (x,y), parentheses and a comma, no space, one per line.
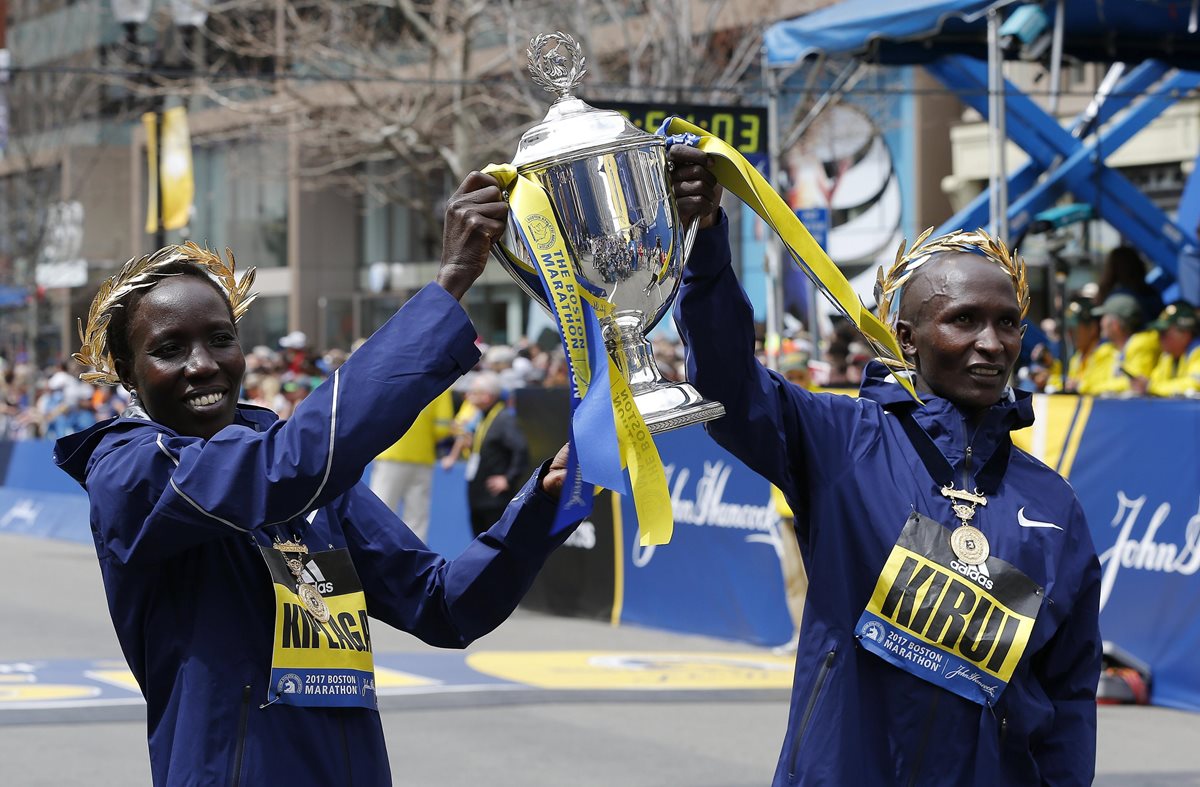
(603,412)
(987,480)
(738,175)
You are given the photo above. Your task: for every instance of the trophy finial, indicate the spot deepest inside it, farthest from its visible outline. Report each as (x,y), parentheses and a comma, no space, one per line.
(556,62)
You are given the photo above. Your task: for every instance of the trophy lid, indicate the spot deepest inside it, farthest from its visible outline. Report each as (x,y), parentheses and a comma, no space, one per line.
(572,127)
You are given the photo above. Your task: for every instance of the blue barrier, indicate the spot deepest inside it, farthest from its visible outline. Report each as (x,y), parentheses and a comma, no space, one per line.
(30,466)
(1137,475)
(720,574)
(38,499)
(50,514)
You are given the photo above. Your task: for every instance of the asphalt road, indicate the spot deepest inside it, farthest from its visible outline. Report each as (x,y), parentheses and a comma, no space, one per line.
(54,609)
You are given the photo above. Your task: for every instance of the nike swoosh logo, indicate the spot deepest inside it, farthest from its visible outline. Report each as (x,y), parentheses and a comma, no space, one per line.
(1025,522)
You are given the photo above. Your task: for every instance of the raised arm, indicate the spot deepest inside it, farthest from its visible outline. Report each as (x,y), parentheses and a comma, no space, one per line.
(449,603)
(775,427)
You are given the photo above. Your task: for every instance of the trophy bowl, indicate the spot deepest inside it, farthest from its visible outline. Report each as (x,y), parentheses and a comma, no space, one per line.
(609,185)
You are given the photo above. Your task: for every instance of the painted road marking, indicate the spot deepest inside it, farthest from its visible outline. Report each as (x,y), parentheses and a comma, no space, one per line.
(657,671)
(93,685)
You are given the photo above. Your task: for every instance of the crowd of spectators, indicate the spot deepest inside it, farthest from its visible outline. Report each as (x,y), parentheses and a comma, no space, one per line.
(1119,340)
(52,401)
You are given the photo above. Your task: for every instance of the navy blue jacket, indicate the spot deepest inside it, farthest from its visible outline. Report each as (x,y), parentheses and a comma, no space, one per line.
(852,477)
(178,522)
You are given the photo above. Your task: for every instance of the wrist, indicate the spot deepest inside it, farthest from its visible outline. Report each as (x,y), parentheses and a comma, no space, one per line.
(453,282)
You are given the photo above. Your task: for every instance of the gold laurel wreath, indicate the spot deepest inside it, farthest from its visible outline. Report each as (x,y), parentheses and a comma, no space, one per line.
(144,272)
(888,285)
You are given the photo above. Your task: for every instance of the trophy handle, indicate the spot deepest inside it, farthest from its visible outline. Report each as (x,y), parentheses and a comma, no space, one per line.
(526,280)
(689,238)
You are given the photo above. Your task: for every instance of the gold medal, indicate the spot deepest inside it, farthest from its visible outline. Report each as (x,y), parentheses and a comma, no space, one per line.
(308,594)
(963,502)
(970,545)
(290,547)
(313,602)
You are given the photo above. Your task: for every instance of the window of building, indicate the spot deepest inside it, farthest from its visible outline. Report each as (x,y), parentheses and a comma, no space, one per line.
(264,323)
(242,200)
(407,227)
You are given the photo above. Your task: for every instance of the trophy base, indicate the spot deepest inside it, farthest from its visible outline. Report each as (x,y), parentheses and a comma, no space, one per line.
(664,405)
(668,406)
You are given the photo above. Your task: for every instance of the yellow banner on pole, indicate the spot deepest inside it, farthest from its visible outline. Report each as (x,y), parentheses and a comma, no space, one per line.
(175,173)
(169,174)
(150,123)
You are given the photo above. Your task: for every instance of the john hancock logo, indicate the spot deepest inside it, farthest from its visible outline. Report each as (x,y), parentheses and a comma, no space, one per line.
(542,232)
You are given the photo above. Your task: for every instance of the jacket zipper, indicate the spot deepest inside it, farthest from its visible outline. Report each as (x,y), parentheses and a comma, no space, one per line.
(239,752)
(924,742)
(1003,729)
(822,675)
(968,484)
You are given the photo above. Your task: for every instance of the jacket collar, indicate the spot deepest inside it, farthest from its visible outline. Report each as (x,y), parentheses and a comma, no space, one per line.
(74,452)
(944,422)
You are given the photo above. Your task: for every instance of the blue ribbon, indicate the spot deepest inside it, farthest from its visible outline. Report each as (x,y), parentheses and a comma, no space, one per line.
(595,460)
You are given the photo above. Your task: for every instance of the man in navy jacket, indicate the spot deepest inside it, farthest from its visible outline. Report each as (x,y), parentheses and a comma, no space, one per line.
(951,628)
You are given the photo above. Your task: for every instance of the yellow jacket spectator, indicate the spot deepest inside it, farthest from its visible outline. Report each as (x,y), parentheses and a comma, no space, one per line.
(1102,374)
(1178,370)
(434,424)
(1083,328)
(1078,367)
(1141,354)
(404,472)
(1127,366)
(465,422)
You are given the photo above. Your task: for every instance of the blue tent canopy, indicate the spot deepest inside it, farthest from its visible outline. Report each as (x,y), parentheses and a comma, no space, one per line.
(902,31)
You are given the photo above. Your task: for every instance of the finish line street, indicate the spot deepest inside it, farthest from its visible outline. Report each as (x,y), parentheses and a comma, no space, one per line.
(99,690)
(541,702)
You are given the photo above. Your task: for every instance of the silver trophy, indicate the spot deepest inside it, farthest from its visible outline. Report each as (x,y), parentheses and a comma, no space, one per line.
(608,183)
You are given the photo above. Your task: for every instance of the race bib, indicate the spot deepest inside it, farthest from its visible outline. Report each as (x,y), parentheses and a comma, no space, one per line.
(314,662)
(961,627)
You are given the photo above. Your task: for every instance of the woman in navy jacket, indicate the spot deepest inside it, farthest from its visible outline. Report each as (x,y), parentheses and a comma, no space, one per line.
(224,534)
(951,627)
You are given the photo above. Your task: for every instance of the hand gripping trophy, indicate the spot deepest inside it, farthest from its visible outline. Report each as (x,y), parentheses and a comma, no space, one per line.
(608,185)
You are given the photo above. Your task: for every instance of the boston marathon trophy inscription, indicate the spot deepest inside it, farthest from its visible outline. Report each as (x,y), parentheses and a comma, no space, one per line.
(608,183)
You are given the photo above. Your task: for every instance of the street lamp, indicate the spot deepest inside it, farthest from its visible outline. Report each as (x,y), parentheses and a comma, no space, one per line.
(131,12)
(187,15)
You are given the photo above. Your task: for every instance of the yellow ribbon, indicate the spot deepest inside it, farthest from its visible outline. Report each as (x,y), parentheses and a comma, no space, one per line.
(546,243)
(738,175)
